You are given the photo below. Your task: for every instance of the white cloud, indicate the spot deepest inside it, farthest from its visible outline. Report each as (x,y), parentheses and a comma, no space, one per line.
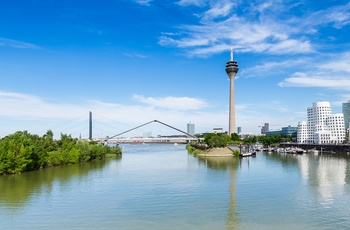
(220,9)
(339,16)
(192,2)
(31,107)
(314,80)
(144,2)
(207,51)
(135,55)
(327,71)
(291,46)
(254,31)
(17,44)
(282,67)
(341,63)
(35,114)
(177,103)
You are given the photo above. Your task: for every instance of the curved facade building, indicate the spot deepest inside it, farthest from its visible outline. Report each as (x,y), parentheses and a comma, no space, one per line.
(302,135)
(321,127)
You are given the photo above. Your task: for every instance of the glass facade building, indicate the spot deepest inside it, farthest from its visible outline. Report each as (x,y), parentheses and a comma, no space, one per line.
(285,132)
(346,112)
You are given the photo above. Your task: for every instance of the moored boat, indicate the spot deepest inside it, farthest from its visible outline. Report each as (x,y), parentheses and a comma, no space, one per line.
(248,154)
(299,150)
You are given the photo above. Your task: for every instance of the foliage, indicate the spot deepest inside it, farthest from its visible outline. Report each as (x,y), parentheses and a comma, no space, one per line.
(235,137)
(22,151)
(192,149)
(236,152)
(267,140)
(217,140)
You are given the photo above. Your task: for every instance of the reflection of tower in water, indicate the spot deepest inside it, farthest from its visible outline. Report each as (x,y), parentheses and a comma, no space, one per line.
(232,219)
(231,164)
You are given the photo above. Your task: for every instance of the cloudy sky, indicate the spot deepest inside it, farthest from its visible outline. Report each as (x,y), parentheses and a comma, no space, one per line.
(134,61)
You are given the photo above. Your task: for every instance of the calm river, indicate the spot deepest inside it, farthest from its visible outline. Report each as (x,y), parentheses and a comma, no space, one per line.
(161,186)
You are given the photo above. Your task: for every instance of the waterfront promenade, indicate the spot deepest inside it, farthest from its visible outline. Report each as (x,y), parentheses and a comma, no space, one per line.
(339,148)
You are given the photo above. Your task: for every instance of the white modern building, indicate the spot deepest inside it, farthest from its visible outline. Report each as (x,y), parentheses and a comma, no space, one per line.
(321,127)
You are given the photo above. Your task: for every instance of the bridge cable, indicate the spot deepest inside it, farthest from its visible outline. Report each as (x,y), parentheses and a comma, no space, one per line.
(158,122)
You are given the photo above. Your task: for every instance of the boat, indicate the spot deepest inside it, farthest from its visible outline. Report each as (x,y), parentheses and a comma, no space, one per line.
(290,150)
(315,151)
(248,154)
(299,150)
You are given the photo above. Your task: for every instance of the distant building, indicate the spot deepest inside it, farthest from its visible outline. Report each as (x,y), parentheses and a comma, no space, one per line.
(239,130)
(218,130)
(346,112)
(190,129)
(285,132)
(265,128)
(147,135)
(322,127)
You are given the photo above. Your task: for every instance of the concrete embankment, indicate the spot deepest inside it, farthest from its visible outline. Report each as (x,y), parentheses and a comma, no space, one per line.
(325,147)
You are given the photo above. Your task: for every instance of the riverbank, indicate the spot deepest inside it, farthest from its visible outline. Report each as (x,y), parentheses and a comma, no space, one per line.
(212,152)
(217,152)
(22,152)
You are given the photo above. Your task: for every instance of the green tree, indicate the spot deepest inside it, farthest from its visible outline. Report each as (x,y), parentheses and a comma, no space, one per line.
(23,151)
(235,137)
(218,140)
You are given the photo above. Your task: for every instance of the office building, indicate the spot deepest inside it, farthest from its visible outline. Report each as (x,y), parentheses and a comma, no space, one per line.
(346,113)
(288,131)
(321,127)
(190,129)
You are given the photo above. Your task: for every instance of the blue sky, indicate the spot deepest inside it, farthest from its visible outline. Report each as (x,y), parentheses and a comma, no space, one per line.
(133,61)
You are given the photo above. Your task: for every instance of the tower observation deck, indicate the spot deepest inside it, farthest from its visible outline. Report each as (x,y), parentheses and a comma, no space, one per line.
(231,70)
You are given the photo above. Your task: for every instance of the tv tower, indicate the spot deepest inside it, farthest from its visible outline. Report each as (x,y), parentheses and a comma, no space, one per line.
(231,70)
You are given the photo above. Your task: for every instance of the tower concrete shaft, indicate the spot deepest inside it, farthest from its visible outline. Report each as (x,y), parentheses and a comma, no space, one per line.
(90,125)
(231,70)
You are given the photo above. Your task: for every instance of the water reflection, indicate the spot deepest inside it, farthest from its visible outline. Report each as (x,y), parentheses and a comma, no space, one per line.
(231,164)
(327,174)
(162,187)
(17,190)
(289,161)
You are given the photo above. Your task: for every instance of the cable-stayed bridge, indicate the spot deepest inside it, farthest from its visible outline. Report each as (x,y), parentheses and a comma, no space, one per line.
(185,138)
(104,129)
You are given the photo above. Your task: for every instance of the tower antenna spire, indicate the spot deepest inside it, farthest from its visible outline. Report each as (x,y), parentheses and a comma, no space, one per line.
(231,53)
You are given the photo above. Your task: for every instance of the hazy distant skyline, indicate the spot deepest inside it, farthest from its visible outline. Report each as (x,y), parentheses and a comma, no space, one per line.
(130,62)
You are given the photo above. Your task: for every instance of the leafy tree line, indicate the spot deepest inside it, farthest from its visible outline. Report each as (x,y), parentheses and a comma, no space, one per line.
(218,140)
(276,139)
(22,151)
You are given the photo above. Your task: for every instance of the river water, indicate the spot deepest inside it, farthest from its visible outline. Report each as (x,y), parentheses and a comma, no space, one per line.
(161,186)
